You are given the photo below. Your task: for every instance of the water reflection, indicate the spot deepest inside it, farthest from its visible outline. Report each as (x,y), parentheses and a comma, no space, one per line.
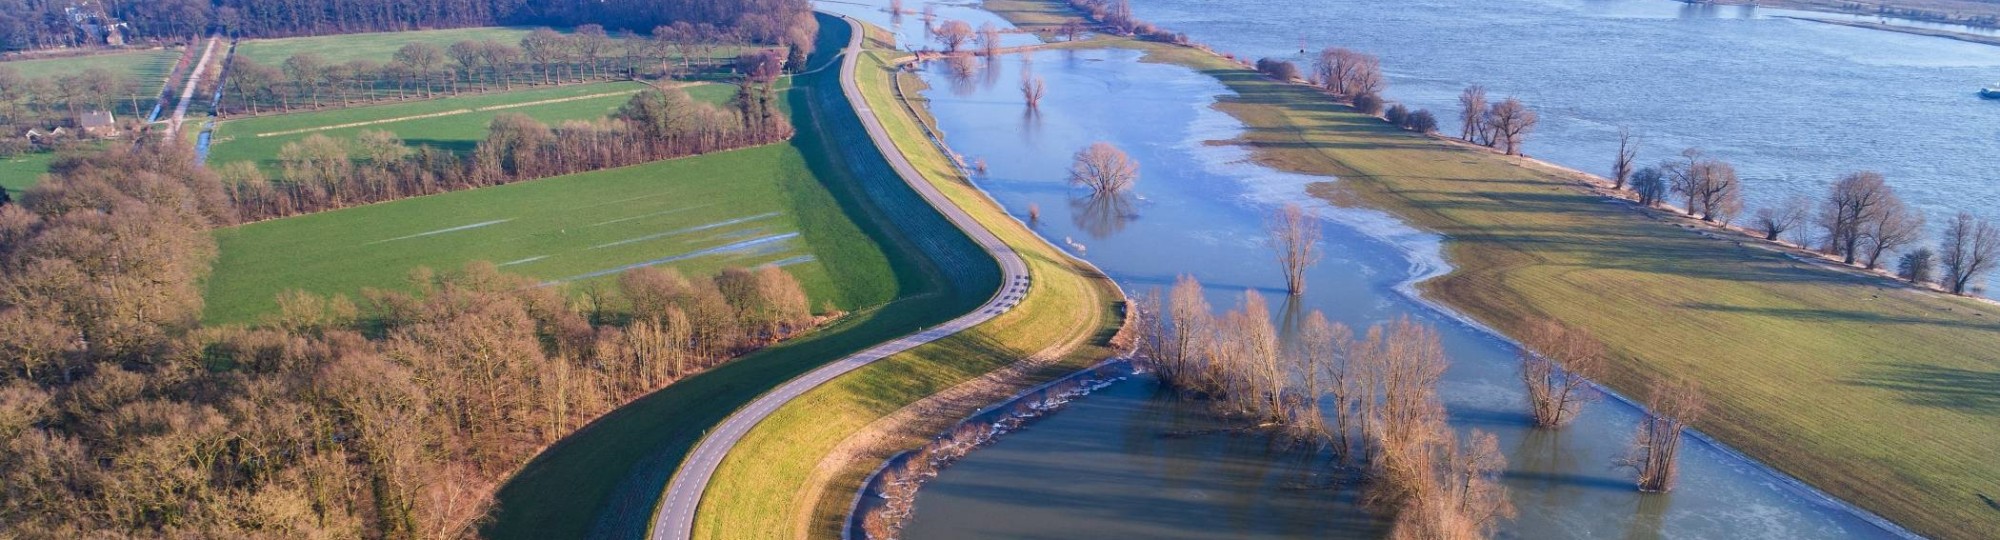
(1102,215)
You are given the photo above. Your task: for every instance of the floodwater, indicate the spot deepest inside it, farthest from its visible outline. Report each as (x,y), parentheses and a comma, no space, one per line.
(1130,463)
(1792,103)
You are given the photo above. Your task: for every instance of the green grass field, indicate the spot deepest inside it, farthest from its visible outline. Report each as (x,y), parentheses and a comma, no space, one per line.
(604,480)
(739,208)
(1878,394)
(451,123)
(148,68)
(19,172)
(377,46)
(786,479)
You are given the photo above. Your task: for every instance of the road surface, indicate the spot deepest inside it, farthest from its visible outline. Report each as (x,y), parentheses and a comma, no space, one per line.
(187,92)
(674,518)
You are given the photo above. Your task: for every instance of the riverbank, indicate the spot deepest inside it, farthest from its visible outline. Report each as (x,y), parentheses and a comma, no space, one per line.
(1868,391)
(1932,32)
(796,473)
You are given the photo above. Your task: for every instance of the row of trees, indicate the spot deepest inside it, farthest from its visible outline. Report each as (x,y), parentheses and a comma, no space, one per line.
(31,24)
(543,56)
(321,173)
(1380,390)
(391,417)
(1860,220)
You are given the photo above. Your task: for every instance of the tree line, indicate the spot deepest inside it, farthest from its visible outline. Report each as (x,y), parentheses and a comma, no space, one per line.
(321,173)
(1370,400)
(544,56)
(394,416)
(34,24)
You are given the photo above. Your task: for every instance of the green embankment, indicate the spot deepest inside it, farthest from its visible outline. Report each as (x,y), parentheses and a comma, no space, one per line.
(770,486)
(451,123)
(603,480)
(753,200)
(1880,395)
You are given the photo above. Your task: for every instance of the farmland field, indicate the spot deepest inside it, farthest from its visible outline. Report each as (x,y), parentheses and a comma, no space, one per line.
(19,172)
(452,123)
(698,215)
(148,67)
(377,46)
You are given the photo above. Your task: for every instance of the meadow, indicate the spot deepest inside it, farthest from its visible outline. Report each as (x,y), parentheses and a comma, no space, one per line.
(147,67)
(1877,393)
(19,172)
(795,475)
(377,46)
(451,123)
(697,215)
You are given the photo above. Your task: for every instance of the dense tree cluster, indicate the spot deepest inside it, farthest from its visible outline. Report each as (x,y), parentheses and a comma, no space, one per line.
(322,173)
(391,417)
(30,24)
(1380,387)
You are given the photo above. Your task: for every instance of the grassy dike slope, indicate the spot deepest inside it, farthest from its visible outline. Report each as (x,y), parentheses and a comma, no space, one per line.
(773,486)
(603,480)
(1880,395)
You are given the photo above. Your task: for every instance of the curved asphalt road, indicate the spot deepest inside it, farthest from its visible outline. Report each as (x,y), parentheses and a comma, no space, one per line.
(673,519)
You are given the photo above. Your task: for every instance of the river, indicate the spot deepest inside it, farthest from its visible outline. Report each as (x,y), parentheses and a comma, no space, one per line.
(1112,466)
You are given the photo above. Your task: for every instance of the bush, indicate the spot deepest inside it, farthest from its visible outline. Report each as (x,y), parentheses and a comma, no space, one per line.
(1421,121)
(1282,70)
(1918,266)
(1397,114)
(1369,104)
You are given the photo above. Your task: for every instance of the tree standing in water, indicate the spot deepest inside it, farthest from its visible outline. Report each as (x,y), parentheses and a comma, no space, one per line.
(1295,236)
(1556,364)
(1104,169)
(1657,445)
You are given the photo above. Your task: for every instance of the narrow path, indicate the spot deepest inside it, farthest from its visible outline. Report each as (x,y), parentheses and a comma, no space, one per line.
(674,518)
(187,92)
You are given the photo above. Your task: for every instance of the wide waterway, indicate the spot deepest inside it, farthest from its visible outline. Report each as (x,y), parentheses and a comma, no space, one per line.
(1119,464)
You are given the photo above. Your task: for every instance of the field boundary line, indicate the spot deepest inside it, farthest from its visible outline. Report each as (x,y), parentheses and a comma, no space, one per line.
(453,112)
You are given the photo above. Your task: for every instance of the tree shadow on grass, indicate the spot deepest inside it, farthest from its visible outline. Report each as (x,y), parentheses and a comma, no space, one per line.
(1853,316)
(1960,390)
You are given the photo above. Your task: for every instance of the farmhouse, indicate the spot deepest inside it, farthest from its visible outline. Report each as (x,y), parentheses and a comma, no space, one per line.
(97,124)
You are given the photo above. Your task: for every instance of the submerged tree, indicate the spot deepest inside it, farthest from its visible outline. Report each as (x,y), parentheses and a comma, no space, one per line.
(954,34)
(1032,89)
(1656,447)
(1295,236)
(1104,169)
(1556,364)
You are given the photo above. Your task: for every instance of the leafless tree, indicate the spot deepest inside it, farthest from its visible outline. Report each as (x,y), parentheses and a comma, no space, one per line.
(1104,169)
(1349,74)
(1556,365)
(989,40)
(1968,249)
(1656,447)
(1510,122)
(953,34)
(1472,114)
(1295,236)
(1894,226)
(1628,150)
(1853,201)
(1651,186)
(1032,89)
(1789,214)
(1718,191)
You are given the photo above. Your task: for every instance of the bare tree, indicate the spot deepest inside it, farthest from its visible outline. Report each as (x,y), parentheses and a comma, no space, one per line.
(953,34)
(1349,74)
(1070,30)
(1472,114)
(1556,365)
(1650,185)
(1718,191)
(1850,204)
(1918,266)
(1104,169)
(1656,447)
(989,40)
(1968,249)
(1295,236)
(1895,226)
(1511,121)
(1789,214)
(1032,89)
(1628,150)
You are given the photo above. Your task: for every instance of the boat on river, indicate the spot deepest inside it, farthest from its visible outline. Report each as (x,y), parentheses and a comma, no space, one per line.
(1991,91)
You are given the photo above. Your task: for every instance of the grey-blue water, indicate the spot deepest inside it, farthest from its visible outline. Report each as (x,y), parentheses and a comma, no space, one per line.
(1108,467)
